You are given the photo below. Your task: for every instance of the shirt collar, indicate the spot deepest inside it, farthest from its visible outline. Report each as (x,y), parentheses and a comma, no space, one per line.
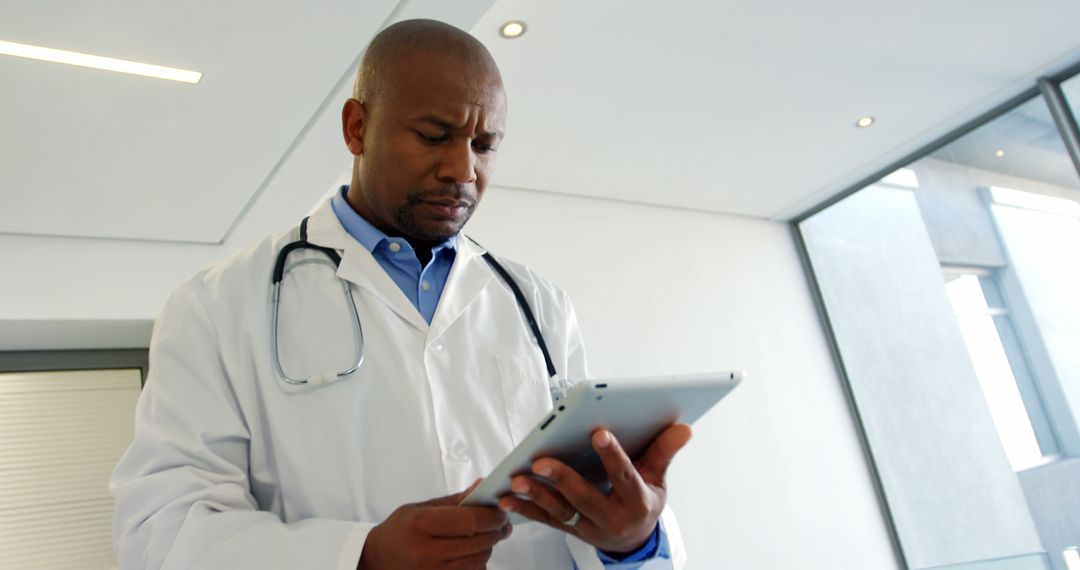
(368,235)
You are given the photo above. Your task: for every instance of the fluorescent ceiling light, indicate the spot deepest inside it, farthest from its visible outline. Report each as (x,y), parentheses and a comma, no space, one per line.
(98,62)
(864,122)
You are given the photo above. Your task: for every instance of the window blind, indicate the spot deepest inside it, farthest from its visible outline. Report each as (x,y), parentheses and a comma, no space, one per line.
(61,434)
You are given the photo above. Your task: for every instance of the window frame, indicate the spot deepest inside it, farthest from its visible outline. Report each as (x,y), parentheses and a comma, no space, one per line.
(1049,89)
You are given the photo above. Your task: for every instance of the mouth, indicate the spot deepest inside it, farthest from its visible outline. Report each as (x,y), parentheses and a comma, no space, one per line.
(448,208)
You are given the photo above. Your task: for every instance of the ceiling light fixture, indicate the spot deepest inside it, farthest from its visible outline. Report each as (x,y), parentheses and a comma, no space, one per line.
(98,62)
(864,122)
(512,29)
(1000,153)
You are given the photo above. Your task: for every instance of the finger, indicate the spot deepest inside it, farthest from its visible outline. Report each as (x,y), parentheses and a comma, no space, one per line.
(449,522)
(653,465)
(450,500)
(543,497)
(455,548)
(625,481)
(461,496)
(582,495)
(476,561)
(532,511)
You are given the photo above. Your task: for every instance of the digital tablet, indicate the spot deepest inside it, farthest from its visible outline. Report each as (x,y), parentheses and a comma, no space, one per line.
(635,410)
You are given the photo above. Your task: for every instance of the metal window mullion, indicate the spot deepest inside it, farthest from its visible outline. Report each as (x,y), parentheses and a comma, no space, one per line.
(1063,118)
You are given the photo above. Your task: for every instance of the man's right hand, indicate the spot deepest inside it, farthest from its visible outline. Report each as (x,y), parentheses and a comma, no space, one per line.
(435,534)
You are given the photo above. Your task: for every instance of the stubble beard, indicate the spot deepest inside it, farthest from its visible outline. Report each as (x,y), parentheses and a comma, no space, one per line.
(406,218)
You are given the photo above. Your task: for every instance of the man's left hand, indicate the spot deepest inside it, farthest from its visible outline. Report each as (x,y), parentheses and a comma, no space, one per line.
(619,522)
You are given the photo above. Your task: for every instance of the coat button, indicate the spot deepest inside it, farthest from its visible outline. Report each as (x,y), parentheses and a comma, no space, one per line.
(459,452)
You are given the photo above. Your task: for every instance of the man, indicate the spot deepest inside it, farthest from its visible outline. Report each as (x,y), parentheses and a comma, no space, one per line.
(234,464)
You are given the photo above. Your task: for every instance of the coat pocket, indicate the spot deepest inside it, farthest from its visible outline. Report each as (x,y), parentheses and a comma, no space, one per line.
(525,393)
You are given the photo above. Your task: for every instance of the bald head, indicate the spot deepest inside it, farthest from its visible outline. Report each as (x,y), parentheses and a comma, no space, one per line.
(429,38)
(427,116)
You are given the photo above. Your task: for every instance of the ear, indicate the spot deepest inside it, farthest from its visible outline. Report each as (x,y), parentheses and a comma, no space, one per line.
(353,124)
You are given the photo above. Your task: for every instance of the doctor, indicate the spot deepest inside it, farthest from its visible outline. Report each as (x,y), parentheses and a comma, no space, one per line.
(232,466)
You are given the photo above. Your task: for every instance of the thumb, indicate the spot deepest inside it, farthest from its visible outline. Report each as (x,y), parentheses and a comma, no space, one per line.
(450,500)
(654,464)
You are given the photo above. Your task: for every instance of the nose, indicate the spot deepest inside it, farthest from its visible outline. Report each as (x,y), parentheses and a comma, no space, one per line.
(457,164)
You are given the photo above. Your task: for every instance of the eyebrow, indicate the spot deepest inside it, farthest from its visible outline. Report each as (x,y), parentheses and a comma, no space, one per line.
(448,126)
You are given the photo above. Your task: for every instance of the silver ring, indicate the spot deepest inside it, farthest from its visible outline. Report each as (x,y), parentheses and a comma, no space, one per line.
(573,520)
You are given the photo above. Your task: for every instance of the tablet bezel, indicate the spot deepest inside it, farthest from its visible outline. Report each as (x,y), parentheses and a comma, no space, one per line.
(635,410)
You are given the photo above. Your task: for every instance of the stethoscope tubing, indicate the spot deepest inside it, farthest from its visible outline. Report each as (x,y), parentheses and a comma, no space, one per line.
(358,331)
(303,243)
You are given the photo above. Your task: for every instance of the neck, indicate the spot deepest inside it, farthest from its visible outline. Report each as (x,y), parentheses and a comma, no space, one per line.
(423,252)
(356,202)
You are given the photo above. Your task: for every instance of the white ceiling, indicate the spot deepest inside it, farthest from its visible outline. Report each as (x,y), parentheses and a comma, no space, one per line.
(744,108)
(93,153)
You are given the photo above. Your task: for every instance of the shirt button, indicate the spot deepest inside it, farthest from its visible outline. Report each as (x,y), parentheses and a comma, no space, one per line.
(459,452)
(425,285)
(395,246)
(437,347)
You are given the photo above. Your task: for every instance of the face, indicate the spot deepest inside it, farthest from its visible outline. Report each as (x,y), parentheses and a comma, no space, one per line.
(426,148)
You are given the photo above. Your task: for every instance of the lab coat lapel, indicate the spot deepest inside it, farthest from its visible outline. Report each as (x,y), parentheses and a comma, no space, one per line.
(468,278)
(358,266)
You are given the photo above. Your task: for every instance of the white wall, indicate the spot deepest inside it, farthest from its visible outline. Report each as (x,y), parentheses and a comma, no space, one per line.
(774,477)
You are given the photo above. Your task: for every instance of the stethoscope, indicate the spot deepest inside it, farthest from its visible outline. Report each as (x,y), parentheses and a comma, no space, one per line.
(558,387)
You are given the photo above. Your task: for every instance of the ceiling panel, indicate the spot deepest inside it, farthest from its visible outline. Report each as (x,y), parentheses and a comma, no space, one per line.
(101,154)
(748,107)
(744,108)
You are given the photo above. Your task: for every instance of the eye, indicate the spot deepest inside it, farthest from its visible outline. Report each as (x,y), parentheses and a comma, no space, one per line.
(431,139)
(482,148)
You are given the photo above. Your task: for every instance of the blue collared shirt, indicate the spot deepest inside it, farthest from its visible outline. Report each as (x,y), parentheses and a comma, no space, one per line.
(656,547)
(423,286)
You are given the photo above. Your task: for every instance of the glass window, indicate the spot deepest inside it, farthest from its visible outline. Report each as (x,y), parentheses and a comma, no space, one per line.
(1072,558)
(976,317)
(1021,150)
(967,386)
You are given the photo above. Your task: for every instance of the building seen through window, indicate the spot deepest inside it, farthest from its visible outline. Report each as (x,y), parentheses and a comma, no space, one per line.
(951,291)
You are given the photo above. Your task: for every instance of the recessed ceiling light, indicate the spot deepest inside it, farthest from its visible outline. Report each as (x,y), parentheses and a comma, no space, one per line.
(512,29)
(98,62)
(864,122)
(1000,153)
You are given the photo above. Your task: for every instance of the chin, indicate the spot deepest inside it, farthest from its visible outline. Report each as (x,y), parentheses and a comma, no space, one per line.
(430,229)
(435,233)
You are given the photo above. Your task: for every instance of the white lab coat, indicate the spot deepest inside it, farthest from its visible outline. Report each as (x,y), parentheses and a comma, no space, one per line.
(232,468)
